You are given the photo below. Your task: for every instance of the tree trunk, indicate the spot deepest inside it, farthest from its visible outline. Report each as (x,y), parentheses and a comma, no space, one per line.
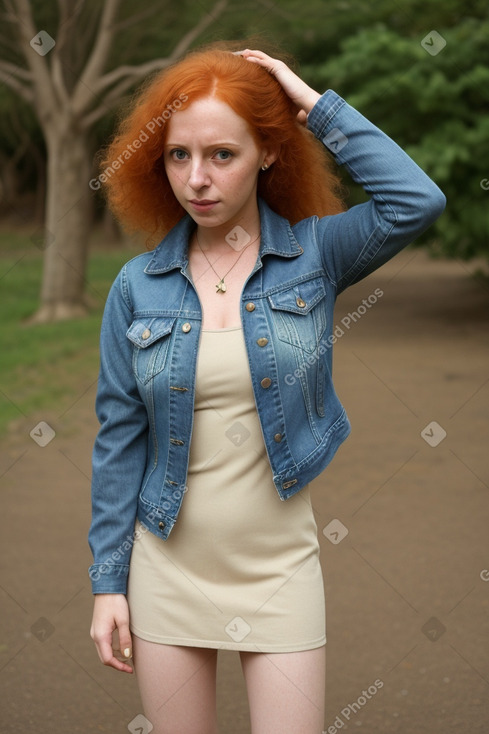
(40,198)
(68,224)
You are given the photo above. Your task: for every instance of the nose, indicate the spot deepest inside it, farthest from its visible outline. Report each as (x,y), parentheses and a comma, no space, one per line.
(198,176)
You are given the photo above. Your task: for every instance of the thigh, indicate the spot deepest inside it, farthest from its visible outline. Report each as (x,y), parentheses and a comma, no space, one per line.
(177,686)
(286,691)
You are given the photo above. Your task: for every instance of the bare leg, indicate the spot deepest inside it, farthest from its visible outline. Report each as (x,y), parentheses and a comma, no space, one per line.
(286,691)
(177,686)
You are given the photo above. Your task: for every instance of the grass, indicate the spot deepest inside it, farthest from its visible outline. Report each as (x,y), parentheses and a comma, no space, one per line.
(47,366)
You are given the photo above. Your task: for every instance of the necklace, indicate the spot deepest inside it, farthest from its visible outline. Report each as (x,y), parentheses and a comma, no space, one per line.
(221,285)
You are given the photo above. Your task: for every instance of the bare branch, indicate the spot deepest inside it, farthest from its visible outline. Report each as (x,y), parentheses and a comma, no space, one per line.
(115,95)
(15,70)
(22,90)
(21,14)
(130,74)
(134,73)
(90,84)
(134,19)
(7,18)
(64,13)
(41,79)
(67,18)
(11,14)
(84,90)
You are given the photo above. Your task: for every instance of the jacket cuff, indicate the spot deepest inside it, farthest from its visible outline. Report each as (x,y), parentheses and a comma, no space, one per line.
(320,117)
(108,578)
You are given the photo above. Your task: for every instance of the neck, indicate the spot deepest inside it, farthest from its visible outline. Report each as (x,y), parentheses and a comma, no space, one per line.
(235,235)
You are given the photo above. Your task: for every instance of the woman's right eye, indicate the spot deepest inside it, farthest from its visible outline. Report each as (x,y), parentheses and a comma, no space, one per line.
(178,154)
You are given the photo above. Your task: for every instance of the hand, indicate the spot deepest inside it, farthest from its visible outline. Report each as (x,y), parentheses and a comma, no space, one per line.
(110,631)
(299,92)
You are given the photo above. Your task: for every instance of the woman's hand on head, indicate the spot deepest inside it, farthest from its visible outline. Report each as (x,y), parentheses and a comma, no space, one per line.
(110,631)
(299,92)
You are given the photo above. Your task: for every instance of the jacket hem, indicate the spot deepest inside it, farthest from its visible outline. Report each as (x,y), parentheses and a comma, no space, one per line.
(317,461)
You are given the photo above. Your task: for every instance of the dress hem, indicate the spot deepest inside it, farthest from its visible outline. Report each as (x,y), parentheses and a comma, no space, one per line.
(224,645)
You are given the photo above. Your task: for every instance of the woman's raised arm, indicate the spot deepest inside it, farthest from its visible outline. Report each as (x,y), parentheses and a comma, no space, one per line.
(404,201)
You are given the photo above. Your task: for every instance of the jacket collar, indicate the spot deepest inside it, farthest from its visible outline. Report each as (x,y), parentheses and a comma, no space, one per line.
(277,238)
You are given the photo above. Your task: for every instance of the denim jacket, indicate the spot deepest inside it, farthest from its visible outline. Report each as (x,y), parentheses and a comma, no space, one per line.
(151,329)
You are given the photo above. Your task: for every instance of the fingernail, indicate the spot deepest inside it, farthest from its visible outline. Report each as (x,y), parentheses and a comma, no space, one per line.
(127,653)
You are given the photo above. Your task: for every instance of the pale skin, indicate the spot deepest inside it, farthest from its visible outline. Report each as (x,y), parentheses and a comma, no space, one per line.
(217,162)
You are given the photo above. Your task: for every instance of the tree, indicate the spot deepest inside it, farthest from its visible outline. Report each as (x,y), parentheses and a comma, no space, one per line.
(69,83)
(430,92)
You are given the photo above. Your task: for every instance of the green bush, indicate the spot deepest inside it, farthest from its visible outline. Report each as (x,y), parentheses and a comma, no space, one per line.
(434,106)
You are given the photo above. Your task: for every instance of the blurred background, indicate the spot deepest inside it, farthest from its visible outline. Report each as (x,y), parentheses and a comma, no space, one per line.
(410,486)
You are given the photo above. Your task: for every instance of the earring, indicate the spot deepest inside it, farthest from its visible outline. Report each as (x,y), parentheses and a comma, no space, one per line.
(264,167)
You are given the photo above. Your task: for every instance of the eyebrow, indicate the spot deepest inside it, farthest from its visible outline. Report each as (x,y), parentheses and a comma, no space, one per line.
(212,145)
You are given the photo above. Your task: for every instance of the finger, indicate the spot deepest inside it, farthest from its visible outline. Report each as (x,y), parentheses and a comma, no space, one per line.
(120,665)
(107,657)
(256,52)
(125,640)
(258,57)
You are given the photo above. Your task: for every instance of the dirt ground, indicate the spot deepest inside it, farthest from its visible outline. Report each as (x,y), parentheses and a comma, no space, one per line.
(405,554)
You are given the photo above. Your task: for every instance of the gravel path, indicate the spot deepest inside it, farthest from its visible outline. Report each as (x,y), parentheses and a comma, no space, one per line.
(405,552)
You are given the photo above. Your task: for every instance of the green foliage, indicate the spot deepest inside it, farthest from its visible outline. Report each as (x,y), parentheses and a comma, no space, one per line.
(434,106)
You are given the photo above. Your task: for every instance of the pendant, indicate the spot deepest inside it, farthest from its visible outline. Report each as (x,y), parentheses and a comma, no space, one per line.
(221,286)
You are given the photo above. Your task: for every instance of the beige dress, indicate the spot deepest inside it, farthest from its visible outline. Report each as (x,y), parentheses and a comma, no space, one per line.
(240,569)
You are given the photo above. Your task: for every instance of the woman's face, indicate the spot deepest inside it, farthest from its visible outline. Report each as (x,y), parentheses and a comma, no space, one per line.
(212,162)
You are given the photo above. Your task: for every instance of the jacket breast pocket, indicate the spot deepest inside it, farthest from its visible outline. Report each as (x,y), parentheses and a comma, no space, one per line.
(300,314)
(151,338)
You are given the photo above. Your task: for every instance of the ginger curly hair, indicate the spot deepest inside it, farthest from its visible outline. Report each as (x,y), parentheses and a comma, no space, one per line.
(302,182)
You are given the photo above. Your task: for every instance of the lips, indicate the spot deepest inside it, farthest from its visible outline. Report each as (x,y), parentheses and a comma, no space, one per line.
(203,205)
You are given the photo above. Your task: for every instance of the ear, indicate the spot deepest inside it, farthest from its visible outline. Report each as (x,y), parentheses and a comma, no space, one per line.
(270,155)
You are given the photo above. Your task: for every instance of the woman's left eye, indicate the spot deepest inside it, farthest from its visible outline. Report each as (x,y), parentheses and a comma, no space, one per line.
(224,155)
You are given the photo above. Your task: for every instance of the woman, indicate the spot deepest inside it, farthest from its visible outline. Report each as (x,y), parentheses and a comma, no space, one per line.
(215,395)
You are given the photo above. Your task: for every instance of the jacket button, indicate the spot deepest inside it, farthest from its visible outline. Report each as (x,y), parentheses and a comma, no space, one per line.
(286,485)
(161,525)
(300,302)
(278,437)
(186,327)
(266,382)
(250,306)
(262,341)
(146,334)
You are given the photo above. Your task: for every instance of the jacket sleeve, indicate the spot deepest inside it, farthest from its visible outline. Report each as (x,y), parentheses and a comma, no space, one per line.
(119,453)
(404,201)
